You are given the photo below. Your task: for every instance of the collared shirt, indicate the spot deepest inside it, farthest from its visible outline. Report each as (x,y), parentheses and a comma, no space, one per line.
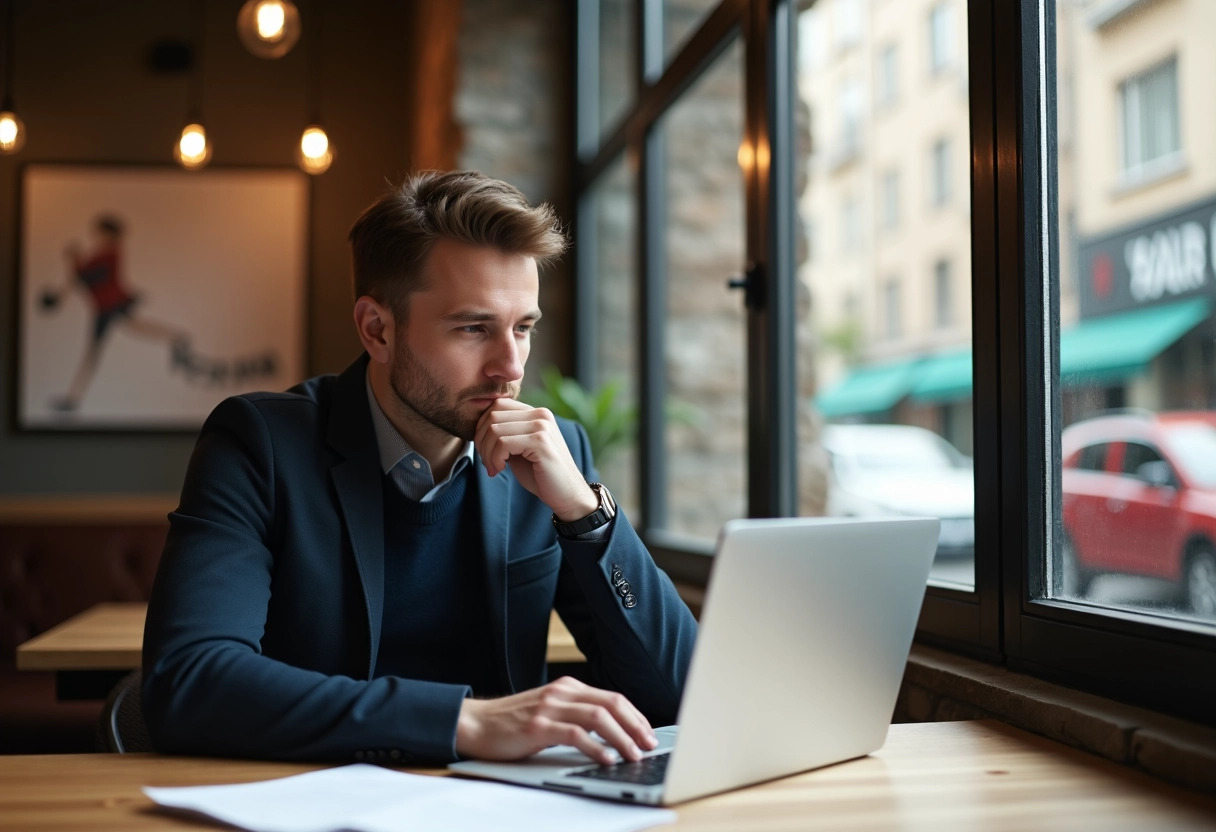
(412,473)
(408,468)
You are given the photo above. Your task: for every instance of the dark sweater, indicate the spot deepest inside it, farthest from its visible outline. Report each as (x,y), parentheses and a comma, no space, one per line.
(436,627)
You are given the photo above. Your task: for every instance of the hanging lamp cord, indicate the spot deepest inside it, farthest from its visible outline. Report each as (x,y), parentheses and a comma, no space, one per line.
(196,62)
(313,42)
(10,45)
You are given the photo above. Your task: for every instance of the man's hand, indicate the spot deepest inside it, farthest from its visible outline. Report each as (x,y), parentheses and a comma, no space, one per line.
(526,438)
(563,712)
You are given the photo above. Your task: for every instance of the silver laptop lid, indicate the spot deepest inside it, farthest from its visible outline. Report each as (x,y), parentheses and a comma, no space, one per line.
(801,647)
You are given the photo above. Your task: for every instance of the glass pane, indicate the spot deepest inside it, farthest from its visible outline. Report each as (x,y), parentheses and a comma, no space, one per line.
(618,61)
(705,353)
(884,281)
(1137,349)
(616,322)
(680,19)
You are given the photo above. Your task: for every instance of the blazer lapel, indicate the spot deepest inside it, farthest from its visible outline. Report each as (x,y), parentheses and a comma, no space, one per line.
(495,496)
(357,482)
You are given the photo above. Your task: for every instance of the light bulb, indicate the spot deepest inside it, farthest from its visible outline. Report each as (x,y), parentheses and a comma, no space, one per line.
(268,28)
(314,154)
(193,151)
(270,18)
(12,132)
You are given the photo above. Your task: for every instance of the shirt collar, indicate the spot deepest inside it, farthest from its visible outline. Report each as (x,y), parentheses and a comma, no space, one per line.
(392,446)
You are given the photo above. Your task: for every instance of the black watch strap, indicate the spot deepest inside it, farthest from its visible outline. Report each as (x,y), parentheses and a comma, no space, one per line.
(603,513)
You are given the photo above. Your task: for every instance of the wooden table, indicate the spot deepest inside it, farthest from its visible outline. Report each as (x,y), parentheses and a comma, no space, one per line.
(932,776)
(91,651)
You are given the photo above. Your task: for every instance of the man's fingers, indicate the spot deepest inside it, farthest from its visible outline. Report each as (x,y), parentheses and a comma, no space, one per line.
(626,715)
(568,733)
(599,719)
(610,714)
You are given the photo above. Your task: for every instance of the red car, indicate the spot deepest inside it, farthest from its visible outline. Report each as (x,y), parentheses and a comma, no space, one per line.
(1139,495)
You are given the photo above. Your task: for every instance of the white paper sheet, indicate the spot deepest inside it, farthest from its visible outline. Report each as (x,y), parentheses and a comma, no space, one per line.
(365,798)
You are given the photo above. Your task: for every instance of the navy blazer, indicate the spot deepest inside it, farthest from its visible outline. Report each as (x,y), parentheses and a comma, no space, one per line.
(264,622)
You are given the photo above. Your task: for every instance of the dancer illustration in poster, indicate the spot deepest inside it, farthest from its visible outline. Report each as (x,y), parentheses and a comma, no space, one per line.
(99,273)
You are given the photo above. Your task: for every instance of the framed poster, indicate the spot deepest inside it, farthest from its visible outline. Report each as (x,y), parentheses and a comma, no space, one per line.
(148,294)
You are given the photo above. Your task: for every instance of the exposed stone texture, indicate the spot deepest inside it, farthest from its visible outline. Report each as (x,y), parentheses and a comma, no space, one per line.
(510,110)
(940,686)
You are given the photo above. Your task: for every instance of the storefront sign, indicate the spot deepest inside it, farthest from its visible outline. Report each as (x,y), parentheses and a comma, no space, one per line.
(1168,257)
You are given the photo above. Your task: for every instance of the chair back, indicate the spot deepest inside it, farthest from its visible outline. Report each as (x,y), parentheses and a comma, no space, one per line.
(122,719)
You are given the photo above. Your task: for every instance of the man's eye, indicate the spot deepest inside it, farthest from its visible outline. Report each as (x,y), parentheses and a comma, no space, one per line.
(528,329)
(473,328)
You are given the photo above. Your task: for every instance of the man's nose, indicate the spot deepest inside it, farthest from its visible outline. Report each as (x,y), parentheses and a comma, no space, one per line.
(507,362)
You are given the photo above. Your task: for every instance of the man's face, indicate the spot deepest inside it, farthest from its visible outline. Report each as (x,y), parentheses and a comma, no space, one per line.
(466,336)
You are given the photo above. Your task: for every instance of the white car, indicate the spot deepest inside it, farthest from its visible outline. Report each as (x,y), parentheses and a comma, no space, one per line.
(902,470)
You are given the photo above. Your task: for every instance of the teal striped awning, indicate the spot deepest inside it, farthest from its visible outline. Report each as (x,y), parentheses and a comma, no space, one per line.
(872,389)
(1094,353)
(1106,350)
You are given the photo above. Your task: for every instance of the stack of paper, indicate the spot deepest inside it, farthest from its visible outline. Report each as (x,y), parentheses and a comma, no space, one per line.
(365,798)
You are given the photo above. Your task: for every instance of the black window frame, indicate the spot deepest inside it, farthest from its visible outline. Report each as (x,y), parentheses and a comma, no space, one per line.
(1007,618)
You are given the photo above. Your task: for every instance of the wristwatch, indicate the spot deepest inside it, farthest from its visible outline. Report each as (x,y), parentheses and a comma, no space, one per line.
(604,512)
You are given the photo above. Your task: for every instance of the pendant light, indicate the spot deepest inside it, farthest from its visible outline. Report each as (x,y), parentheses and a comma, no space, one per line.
(192,150)
(268,28)
(12,128)
(314,151)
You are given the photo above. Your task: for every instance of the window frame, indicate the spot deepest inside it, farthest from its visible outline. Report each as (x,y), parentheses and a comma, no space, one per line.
(1015,310)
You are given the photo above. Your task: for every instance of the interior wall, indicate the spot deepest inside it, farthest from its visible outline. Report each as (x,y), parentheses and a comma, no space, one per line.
(83,86)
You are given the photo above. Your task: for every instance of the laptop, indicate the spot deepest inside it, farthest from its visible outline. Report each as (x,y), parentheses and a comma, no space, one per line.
(803,638)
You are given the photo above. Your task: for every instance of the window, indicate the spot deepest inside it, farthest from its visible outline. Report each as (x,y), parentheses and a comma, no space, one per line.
(613,328)
(892,307)
(848,23)
(705,353)
(943,300)
(850,110)
(890,199)
(1093,457)
(1149,121)
(887,76)
(941,37)
(850,225)
(939,166)
(984,352)
(617,27)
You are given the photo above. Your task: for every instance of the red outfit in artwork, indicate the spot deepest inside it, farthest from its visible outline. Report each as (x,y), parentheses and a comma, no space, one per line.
(100,274)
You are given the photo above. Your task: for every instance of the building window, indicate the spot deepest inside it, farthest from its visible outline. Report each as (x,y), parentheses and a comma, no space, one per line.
(850,225)
(890,200)
(850,107)
(892,304)
(1149,120)
(887,76)
(939,165)
(943,312)
(941,37)
(849,23)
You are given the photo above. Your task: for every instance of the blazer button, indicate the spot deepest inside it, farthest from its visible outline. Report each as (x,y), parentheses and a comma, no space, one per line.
(624,588)
(617,574)
(360,755)
(630,602)
(395,754)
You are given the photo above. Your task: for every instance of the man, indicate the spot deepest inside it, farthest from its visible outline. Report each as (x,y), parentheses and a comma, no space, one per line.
(363,567)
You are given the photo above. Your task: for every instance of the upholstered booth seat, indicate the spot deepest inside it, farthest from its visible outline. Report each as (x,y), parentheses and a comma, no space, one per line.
(50,570)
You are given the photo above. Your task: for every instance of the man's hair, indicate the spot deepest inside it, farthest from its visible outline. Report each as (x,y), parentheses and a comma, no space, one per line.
(392,238)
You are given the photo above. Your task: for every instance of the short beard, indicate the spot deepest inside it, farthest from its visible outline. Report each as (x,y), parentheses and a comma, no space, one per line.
(417,389)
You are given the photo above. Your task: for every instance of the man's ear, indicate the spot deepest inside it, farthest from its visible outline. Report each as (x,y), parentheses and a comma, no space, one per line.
(375,325)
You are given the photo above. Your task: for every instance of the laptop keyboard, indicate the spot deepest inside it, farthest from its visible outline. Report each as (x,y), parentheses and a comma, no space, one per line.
(648,771)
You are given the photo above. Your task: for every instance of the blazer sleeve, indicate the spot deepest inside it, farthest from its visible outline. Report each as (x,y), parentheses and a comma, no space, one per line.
(207,687)
(643,650)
